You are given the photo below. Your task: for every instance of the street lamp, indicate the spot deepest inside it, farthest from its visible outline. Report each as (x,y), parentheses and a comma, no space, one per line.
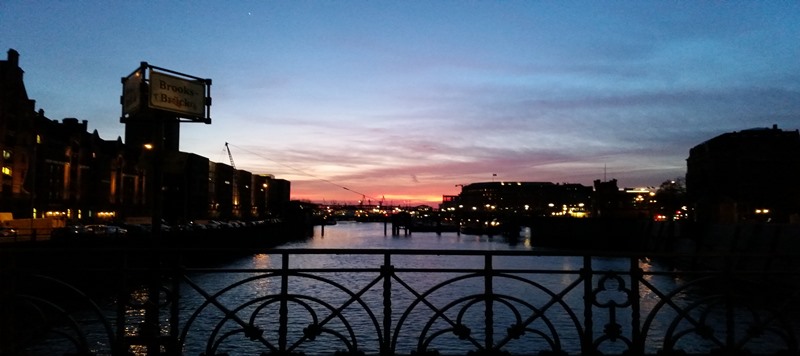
(156,182)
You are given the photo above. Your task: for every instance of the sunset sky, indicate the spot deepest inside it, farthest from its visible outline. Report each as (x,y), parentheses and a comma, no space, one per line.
(406,100)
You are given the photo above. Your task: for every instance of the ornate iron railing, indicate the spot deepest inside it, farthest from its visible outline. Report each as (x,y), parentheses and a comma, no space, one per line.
(382,302)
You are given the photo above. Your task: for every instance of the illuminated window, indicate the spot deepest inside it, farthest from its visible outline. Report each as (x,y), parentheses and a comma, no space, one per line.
(38,138)
(6,154)
(7,171)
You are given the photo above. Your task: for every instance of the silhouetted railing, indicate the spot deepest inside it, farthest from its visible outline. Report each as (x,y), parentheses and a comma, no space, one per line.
(384,302)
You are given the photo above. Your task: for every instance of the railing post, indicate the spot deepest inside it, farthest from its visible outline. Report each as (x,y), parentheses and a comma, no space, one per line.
(387,270)
(730,317)
(174,299)
(636,335)
(8,317)
(151,330)
(123,297)
(489,301)
(587,344)
(283,322)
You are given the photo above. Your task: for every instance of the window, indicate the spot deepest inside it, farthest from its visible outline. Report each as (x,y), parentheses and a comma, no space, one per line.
(6,154)
(7,171)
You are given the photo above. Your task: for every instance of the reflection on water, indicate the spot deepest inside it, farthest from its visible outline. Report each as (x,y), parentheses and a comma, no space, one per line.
(371,236)
(411,316)
(345,293)
(422,303)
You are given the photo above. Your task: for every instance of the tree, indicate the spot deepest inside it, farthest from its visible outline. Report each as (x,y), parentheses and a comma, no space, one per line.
(671,199)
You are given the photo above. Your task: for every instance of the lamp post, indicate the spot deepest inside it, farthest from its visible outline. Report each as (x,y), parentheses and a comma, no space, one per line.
(151,327)
(156,182)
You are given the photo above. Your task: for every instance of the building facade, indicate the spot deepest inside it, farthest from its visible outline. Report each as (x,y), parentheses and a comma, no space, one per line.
(521,198)
(58,169)
(17,120)
(749,175)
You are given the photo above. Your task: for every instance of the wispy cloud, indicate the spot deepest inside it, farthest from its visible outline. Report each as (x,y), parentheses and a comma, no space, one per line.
(409,99)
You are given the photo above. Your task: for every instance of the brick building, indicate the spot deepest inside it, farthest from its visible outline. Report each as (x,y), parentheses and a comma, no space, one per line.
(59,169)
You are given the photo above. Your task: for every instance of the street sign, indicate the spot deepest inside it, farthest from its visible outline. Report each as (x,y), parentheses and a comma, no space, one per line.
(150,92)
(178,95)
(132,92)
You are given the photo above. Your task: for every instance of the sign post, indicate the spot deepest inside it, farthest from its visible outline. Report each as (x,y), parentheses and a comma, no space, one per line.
(153,97)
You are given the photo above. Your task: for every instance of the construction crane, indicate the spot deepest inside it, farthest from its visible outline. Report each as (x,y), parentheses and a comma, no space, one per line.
(230,156)
(235,178)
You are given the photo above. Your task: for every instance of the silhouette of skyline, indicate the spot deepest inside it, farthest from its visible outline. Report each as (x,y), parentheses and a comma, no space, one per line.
(407,100)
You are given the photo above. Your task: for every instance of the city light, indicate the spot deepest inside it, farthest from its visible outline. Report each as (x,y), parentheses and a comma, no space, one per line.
(106,214)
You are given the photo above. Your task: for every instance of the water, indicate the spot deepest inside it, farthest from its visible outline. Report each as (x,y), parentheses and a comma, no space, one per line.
(562,321)
(355,235)
(344,294)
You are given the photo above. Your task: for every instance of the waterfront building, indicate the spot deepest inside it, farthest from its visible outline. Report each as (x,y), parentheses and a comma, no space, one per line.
(277,192)
(609,201)
(17,118)
(269,195)
(60,170)
(522,198)
(749,175)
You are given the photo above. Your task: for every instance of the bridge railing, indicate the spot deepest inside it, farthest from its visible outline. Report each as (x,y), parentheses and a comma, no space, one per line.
(395,302)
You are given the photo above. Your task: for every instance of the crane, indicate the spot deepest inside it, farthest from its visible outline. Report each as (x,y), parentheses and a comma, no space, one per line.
(230,156)
(235,178)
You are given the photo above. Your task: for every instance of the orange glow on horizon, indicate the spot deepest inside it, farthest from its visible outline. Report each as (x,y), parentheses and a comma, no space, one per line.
(349,198)
(400,194)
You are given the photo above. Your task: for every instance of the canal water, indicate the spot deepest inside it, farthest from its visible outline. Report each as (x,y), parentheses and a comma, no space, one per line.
(355,235)
(243,291)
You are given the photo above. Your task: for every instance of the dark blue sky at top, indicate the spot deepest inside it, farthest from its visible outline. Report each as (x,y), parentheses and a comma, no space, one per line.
(407,99)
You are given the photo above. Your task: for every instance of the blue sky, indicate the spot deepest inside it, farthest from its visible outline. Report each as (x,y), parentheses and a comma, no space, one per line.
(407,99)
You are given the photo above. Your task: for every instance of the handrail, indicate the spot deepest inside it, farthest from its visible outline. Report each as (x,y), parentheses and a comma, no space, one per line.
(506,302)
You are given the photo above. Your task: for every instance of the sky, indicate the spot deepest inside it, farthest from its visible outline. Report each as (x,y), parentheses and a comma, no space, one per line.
(406,101)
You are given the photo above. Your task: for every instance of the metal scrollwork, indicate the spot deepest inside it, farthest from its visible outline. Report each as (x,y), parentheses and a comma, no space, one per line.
(396,307)
(255,318)
(611,293)
(48,308)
